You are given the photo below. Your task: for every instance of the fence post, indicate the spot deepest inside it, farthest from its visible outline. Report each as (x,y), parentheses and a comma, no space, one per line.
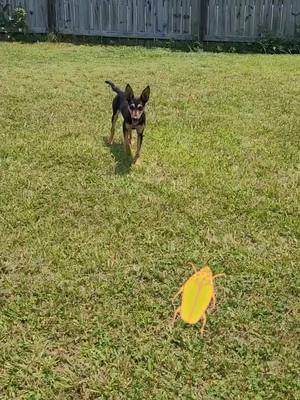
(52,16)
(203,18)
(196,6)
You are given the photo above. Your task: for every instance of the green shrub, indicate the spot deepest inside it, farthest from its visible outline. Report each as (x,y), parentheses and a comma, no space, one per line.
(271,44)
(12,22)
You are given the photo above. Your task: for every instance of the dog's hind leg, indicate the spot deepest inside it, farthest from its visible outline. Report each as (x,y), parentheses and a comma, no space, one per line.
(114,119)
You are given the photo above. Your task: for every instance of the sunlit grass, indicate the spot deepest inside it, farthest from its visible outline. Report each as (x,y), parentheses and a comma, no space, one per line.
(92,250)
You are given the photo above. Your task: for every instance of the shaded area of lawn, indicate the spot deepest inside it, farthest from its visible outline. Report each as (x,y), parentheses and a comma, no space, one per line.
(92,249)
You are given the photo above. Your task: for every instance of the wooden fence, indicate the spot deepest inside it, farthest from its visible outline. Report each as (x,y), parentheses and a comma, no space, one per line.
(211,20)
(242,20)
(126,18)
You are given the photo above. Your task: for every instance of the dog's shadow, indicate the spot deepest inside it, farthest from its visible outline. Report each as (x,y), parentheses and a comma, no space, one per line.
(124,162)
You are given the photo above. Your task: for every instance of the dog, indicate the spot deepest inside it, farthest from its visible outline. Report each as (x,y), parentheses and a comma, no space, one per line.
(134,117)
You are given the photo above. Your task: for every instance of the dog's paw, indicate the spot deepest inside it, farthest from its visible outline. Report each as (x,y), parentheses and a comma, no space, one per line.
(137,161)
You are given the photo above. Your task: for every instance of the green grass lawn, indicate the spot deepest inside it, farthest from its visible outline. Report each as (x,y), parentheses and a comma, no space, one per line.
(92,250)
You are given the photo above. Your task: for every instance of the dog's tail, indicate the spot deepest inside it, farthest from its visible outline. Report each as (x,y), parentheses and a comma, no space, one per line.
(114,87)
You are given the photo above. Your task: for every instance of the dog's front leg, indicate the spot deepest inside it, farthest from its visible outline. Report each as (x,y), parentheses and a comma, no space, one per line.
(127,131)
(140,137)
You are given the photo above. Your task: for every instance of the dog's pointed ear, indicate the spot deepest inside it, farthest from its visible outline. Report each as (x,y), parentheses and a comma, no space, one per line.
(129,92)
(145,95)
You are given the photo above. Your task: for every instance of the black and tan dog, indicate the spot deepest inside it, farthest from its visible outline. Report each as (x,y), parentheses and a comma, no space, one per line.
(133,111)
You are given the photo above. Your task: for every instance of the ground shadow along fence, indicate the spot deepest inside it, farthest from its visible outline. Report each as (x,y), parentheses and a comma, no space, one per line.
(211,20)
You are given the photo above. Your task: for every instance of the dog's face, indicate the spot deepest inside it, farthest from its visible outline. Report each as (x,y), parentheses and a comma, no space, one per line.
(136,105)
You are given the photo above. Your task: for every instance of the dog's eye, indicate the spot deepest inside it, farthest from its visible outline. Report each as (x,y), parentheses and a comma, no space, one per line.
(132,107)
(140,108)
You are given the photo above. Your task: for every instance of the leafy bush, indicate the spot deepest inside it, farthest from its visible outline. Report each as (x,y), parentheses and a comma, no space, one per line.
(14,22)
(271,44)
(19,19)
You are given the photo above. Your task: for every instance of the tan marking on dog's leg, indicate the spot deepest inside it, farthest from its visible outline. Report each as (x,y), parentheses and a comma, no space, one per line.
(127,135)
(130,138)
(140,137)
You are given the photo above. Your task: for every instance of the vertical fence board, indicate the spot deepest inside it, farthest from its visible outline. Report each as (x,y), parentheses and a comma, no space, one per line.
(295,18)
(113,15)
(248,18)
(105,15)
(148,15)
(140,16)
(296,11)
(256,18)
(159,16)
(176,16)
(186,16)
(276,15)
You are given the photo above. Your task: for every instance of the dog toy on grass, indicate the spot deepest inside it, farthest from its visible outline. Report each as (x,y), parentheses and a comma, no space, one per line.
(197,294)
